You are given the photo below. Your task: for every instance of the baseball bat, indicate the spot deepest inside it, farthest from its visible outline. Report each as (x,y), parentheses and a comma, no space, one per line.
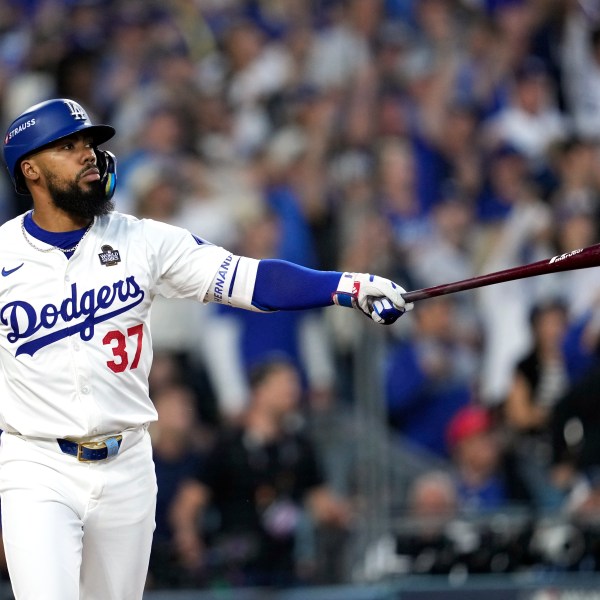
(582,258)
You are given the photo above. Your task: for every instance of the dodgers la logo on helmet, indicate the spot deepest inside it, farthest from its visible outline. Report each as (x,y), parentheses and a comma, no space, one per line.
(42,124)
(77,111)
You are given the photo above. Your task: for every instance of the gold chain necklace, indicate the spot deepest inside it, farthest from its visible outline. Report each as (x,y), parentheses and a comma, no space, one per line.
(53,247)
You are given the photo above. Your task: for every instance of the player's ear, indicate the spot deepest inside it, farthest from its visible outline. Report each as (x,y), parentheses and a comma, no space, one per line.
(30,169)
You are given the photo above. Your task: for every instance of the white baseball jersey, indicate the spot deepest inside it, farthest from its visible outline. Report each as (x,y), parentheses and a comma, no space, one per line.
(75,346)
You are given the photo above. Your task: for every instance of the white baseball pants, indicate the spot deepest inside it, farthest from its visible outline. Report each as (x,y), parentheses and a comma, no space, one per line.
(74,530)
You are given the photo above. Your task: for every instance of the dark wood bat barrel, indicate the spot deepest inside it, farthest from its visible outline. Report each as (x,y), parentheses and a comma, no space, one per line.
(582,258)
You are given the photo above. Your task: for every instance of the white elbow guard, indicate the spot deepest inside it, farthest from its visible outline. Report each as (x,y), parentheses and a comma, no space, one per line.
(234,281)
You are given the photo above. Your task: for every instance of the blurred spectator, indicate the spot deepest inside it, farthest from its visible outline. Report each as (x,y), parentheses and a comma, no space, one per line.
(436,536)
(455,139)
(397,192)
(392,45)
(161,135)
(184,194)
(433,495)
(580,62)
(177,441)
(446,123)
(476,453)
(432,504)
(248,74)
(507,180)
(239,340)
(429,377)
(576,444)
(516,22)
(531,121)
(517,230)
(278,19)
(340,53)
(539,380)
(428,87)
(575,162)
(292,173)
(166,371)
(261,477)
(75,77)
(446,254)
(437,25)
(482,70)
(123,72)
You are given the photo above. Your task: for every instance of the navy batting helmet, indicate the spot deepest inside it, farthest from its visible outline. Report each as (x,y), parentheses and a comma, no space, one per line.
(47,122)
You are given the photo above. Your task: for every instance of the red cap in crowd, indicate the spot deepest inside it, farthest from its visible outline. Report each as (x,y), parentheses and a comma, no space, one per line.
(467,421)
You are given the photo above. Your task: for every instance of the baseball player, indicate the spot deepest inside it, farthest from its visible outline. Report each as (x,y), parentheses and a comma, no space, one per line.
(77,281)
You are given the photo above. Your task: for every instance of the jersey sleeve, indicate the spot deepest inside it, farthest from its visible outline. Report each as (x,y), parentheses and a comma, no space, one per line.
(183,265)
(186,266)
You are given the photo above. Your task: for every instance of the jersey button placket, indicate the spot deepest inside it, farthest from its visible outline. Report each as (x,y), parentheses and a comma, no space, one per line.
(80,360)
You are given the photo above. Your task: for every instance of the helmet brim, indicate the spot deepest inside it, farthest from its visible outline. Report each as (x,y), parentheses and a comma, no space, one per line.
(100,133)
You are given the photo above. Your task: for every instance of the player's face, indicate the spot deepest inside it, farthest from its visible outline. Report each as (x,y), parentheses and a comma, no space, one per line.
(72,178)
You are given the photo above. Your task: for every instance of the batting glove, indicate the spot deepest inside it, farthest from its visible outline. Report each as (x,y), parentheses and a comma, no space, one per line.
(378,298)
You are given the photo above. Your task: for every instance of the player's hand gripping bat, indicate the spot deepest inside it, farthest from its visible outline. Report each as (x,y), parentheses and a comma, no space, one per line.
(582,258)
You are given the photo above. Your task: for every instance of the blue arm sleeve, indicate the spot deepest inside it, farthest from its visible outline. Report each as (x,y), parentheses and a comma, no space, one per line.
(282,285)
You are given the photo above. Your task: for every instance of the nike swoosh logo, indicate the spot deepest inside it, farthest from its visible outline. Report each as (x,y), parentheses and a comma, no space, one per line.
(6,272)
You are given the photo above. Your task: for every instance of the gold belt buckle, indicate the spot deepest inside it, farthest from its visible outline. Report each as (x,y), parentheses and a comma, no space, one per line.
(98,445)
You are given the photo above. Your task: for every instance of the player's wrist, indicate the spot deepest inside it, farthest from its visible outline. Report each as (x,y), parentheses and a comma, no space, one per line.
(347,290)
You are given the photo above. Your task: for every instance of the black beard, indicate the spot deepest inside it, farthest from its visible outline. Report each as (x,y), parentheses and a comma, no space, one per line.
(83,203)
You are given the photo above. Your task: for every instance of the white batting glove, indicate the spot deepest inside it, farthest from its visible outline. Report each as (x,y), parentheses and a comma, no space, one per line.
(377,297)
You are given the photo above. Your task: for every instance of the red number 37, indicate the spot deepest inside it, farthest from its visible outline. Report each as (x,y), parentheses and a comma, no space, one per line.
(118,344)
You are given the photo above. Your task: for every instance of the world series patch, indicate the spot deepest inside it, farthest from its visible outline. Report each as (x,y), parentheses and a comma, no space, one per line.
(109,257)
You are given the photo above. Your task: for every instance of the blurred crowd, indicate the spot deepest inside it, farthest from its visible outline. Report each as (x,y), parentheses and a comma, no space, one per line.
(427,141)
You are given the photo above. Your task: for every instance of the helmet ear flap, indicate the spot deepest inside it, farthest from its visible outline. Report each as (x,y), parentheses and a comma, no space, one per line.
(107,165)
